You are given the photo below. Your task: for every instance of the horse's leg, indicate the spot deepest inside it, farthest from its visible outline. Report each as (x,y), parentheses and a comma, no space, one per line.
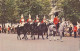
(58,32)
(50,36)
(31,34)
(57,29)
(38,34)
(44,33)
(61,36)
(42,36)
(18,37)
(47,35)
(25,36)
(54,35)
(34,36)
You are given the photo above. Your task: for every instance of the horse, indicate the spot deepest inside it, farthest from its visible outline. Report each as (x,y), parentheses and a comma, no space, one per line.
(52,29)
(62,28)
(33,29)
(42,29)
(19,32)
(45,29)
(23,30)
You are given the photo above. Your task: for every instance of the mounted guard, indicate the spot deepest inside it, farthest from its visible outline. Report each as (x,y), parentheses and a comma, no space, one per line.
(29,20)
(44,20)
(22,21)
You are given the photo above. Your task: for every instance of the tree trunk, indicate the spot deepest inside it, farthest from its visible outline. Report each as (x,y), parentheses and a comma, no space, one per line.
(3,25)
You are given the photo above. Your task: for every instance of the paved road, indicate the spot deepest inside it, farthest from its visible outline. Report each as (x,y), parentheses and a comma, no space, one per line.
(8,42)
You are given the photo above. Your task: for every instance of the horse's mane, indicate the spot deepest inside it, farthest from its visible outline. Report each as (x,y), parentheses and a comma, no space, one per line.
(63,23)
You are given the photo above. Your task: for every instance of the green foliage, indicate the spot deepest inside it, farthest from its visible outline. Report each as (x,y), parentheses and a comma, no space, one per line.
(71,9)
(33,7)
(11,10)
(8,11)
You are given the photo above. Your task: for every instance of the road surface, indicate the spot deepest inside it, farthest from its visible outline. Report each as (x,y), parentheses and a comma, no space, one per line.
(9,42)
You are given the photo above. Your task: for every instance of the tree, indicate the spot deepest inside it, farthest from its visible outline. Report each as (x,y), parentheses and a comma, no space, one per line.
(11,10)
(71,9)
(7,12)
(33,7)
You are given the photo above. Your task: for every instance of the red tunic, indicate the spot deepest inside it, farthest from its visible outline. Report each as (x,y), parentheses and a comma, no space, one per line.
(28,20)
(75,29)
(22,20)
(56,21)
(0,28)
(42,21)
(36,21)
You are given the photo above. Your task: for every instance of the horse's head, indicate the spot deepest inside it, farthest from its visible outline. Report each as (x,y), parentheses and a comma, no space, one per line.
(65,23)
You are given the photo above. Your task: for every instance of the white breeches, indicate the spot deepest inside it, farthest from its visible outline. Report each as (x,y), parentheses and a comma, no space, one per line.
(22,24)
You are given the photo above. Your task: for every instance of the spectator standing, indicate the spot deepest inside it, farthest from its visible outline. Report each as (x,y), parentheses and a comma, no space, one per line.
(0,29)
(70,30)
(8,29)
(79,31)
(75,31)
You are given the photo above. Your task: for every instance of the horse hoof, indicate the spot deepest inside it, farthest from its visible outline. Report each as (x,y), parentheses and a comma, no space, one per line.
(37,38)
(20,38)
(27,38)
(34,38)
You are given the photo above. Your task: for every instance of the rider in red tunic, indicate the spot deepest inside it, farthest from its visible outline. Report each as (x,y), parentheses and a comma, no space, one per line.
(56,21)
(0,29)
(22,19)
(75,31)
(44,20)
(37,19)
(29,20)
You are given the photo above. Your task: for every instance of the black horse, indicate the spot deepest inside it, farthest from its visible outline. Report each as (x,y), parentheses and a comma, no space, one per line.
(42,29)
(38,30)
(23,30)
(34,30)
